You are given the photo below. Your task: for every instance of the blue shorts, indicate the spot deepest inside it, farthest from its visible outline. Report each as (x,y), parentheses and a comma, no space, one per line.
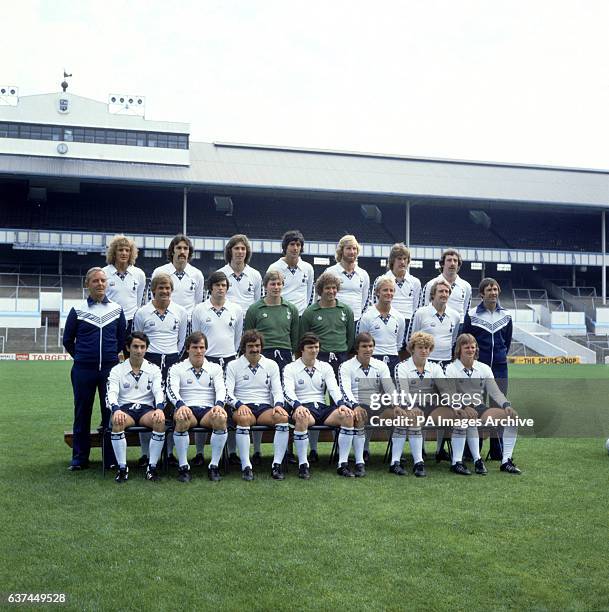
(258,409)
(390,360)
(136,413)
(221,361)
(200,411)
(320,412)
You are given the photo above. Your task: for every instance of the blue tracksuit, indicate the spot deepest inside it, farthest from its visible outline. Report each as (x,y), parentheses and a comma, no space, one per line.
(94,335)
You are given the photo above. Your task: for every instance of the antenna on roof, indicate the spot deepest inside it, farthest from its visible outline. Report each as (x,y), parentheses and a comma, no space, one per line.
(64,83)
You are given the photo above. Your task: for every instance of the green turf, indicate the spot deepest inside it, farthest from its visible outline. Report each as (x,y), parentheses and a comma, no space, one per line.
(538,541)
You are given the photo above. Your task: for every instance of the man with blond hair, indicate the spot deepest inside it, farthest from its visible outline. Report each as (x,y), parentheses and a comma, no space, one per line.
(126,283)
(354,281)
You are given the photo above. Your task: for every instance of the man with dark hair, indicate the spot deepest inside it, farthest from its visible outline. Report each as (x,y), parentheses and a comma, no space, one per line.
(253,387)
(245,282)
(196,389)
(94,335)
(491,326)
(298,274)
(135,396)
(188,282)
(461,291)
(221,321)
(305,382)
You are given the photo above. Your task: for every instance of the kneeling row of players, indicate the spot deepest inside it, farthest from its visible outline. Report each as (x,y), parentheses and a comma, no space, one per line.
(201,393)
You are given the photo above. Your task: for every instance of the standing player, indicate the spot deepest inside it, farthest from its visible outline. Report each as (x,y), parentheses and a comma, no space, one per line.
(126,283)
(165,323)
(473,376)
(360,377)
(407,287)
(384,323)
(222,323)
(135,396)
(196,389)
(297,274)
(461,291)
(245,282)
(188,283)
(491,326)
(94,335)
(253,387)
(354,281)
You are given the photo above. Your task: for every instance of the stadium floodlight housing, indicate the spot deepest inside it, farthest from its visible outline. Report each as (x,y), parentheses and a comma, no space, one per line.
(224,205)
(9,95)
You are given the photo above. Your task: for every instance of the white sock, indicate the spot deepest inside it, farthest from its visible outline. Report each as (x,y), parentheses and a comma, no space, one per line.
(398,439)
(416,445)
(367,443)
(345,439)
(280,442)
(218,440)
(200,440)
(181,440)
(156,446)
(509,441)
(473,442)
(243,444)
(301,441)
(232,442)
(119,444)
(313,439)
(359,441)
(458,444)
(257,437)
(145,443)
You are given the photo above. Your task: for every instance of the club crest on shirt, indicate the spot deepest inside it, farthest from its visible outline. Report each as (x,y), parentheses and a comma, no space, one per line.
(289,315)
(126,385)
(189,381)
(343,317)
(246,377)
(300,381)
(319,318)
(149,323)
(264,315)
(208,320)
(111,284)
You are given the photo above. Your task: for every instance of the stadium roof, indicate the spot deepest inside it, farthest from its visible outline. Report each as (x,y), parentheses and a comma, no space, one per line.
(234,166)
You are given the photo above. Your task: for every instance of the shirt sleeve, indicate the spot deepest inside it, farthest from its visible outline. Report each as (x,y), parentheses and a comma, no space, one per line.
(121,332)
(491,387)
(350,330)
(138,320)
(238,328)
(400,340)
(276,388)
(69,332)
(112,389)
(250,317)
(196,319)
(294,327)
(229,381)
(219,386)
(344,381)
(183,325)
(365,292)
(416,293)
(289,387)
(332,386)
(173,386)
(199,288)
(508,336)
(415,325)
(157,388)
(310,285)
(140,288)
(257,287)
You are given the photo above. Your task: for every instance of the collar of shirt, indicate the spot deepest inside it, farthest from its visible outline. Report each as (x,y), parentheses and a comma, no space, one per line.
(482,308)
(317,306)
(91,301)
(411,367)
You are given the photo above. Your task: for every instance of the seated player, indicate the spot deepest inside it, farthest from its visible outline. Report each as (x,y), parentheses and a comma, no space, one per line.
(196,389)
(253,387)
(473,376)
(415,378)
(359,377)
(305,382)
(135,396)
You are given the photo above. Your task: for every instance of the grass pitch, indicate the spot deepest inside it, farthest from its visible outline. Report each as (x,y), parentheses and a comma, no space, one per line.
(538,541)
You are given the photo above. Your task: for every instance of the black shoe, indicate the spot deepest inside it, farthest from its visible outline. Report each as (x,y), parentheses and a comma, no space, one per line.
(313,457)
(247,474)
(509,467)
(198,460)
(291,457)
(303,472)
(397,469)
(442,455)
(276,472)
(366,456)
(257,459)
(480,468)
(122,475)
(233,459)
(142,461)
(213,473)
(360,470)
(460,468)
(184,474)
(172,461)
(152,474)
(343,470)
(418,469)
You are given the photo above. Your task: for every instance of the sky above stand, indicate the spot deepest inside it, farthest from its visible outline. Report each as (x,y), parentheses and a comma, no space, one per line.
(505,81)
